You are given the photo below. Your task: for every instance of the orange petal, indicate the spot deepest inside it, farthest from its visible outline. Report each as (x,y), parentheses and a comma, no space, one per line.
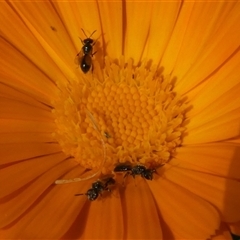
(222,236)
(104,219)
(235,228)
(52,57)
(173,47)
(15,152)
(219,89)
(25,137)
(26,171)
(223,233)
(24,77)
(136,28)
(141,220)
(15,204)
(161,29)
(234,140)
(216,158)
(16,110)
(79,15)
(19,131)
(207,121)
(18,94)
(185,214)
(220,192)
(223,128)
(199,51)
(52,214)
(112,31)
(25,126)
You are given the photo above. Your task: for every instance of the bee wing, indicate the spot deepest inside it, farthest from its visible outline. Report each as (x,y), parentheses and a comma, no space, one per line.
(78,58)
(105,177)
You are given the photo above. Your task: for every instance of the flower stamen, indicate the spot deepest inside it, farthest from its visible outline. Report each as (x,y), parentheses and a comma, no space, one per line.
(130,113)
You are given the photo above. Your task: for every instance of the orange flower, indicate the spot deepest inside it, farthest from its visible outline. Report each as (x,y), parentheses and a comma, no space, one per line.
(162,92)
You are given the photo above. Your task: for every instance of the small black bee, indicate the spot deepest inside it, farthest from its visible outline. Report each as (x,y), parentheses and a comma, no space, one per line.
(98,187)
(85,61)
(146,173)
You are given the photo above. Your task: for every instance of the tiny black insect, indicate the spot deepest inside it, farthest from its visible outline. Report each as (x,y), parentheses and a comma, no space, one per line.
(98,187)
(53,28)
(146,173)
(107,135)
(85,60)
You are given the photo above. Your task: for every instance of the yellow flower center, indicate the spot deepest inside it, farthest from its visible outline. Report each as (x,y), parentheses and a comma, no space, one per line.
(130,113)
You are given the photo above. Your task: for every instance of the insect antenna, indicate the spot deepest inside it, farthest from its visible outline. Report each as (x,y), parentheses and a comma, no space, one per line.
(81,42)
(86,34)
